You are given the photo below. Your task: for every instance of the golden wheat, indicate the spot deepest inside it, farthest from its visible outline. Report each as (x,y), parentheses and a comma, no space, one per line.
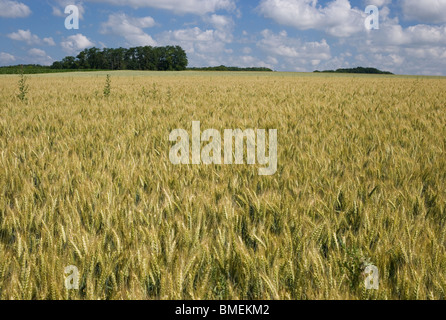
(86,181)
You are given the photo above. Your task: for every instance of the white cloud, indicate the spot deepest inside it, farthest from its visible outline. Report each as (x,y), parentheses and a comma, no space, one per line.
(392,34)
(247,50)
(36,52)
(337,18)
(24,35)
(59,8)
(272,60)
(38,56)
(223,25)
(203,47)
(29,38)
(379,3)
(49,41)
(426,35)
(220,22)
(192,38)
(131,29)
(248,61)
(6,58)
(417,49)
(76,43)
(283,46)
(199,7)
(427,11)
(293,54)
(13,9)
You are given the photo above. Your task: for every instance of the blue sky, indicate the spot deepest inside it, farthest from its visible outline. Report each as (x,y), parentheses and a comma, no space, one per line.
(285,35)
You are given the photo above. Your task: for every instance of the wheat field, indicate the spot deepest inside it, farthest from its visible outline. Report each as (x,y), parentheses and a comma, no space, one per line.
(85,180)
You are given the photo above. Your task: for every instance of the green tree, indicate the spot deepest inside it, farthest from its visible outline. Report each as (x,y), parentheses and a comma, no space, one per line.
(69,62)
(82,61)
(138,58)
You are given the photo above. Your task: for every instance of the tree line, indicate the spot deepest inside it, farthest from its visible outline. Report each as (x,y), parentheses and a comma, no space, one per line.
(169,58)
(225,68)
(356,70)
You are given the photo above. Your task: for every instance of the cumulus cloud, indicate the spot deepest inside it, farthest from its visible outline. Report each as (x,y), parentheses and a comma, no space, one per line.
(13,9)
(204,47)
(131,29)
(220,22)
(279,44)
(49,41)
(289,53)
(247,61)
(337,18)
(29,38)
(24,35)
(36,52)
(427,11)
(76,43)
(379,3)
(199,7)
(392,34)
(207,46)
(6,58)
(416,49)
(59,7)
(247,50)
(223,26)
(39,56)
(193,38)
